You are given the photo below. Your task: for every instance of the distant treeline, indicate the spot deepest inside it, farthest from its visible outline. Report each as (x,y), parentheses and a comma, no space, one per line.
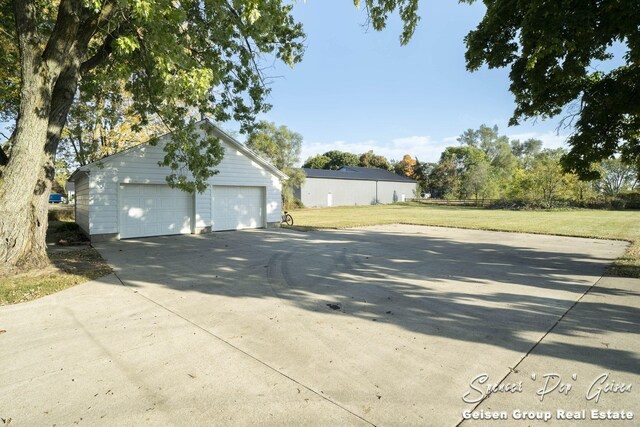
(486,165)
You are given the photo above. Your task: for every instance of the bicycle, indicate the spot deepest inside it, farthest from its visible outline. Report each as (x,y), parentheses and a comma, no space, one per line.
(287,219)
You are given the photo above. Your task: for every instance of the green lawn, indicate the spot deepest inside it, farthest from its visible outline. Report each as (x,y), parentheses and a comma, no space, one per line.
(619,225)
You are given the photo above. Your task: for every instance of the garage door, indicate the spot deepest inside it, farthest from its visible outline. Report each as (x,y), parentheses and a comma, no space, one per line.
(235,208)
(154,210)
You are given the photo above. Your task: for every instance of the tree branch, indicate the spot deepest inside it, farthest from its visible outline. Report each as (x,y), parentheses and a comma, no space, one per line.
(64,32)
(24,11)
(101,54)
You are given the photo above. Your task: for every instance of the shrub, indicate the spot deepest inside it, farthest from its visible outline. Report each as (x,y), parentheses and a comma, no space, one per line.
(65,215)
(618,204)
(295,203)
(631,199)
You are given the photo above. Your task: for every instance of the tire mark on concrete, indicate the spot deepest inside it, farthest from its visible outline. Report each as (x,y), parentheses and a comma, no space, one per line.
(274,275)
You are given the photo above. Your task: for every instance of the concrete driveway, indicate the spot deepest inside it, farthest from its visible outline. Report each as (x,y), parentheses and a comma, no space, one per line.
(380,325)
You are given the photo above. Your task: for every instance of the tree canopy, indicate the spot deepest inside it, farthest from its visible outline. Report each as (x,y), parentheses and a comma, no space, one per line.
(180,61)
(319,161)
(373,160)
(332,160)
(552,49)
(281,146)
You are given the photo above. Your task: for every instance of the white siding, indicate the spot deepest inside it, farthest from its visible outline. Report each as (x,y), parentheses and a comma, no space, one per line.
(344,192)
(389,192)
(239,170)
(203,209)
(139,165)
(82,202)
(314,192)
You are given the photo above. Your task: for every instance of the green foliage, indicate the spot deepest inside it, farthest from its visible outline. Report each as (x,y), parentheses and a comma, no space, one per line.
(192,159)
(526,149)
(102,122)
(551,48)
(332,160)
(319,161)
(379,11)
(421,173)
(546,179)
(335,159)
(489,166)
(177,62)
(616,177)
(281,147)
(461,171)
(372,160)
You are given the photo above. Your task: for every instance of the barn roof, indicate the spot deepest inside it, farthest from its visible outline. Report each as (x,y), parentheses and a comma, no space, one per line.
(357,173)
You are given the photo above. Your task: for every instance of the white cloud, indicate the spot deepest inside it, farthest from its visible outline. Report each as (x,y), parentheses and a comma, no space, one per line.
(423,147)
(549,139)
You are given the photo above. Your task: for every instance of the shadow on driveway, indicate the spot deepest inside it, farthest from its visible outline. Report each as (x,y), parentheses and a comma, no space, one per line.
(498,289)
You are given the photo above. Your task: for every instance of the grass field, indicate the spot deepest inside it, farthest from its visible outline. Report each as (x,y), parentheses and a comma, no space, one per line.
(602,224)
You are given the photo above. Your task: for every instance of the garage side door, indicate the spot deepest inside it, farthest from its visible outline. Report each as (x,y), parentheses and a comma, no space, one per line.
(235,208)
(154,210)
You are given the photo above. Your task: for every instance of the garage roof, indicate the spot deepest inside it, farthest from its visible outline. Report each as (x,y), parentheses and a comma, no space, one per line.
(219,133)
(357,173)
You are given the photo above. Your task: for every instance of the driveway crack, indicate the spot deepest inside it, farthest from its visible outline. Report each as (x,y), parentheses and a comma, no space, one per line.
(522,359)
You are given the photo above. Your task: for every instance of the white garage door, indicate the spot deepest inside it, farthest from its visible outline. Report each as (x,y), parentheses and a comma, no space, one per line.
(235,208)
(154,210)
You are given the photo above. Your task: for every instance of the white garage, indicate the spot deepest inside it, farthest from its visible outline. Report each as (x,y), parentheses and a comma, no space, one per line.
(154,210)
(126,196)
(236,208)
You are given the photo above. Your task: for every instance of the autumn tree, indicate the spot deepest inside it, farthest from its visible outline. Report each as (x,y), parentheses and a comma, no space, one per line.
(281,147)
(405,167)
(102,122)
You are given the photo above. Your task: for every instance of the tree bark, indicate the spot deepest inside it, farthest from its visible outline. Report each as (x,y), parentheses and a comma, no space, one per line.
(17,244)
(22,231)
(49,80)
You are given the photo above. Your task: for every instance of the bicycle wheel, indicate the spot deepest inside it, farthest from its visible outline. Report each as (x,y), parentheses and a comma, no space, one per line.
(288,219)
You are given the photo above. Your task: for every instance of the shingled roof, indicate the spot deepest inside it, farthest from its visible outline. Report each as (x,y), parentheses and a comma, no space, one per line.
(356,173)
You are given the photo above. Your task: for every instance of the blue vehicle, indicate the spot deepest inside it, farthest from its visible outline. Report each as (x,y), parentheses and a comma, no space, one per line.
(55,198)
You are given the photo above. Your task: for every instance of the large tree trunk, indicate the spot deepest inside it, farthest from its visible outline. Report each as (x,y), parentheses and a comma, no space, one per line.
(22,227)
(25,219)
(26,180)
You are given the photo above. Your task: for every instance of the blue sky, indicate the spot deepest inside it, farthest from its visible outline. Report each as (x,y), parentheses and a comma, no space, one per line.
(358,89)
